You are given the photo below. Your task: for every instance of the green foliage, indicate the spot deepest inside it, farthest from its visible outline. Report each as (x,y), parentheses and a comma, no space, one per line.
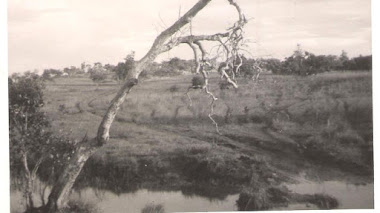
(177,63)
(29,127)
(27,122)
(175,66)
(122,68)
(98,76)
(305,63)
(308,63)
(120,71)
(360,63)
(247,69)
(98,73)
(272,64)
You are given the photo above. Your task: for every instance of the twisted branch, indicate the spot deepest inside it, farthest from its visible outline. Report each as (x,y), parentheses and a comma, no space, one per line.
(205,78)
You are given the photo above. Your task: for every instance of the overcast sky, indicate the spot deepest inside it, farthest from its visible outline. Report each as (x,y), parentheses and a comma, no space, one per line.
(59,33)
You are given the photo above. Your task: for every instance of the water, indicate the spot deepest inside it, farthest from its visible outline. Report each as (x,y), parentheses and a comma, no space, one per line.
(116,193)
(349,196)
(173,201)
(109,202)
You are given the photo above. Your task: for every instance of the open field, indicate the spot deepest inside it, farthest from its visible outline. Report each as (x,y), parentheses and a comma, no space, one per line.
(272,131)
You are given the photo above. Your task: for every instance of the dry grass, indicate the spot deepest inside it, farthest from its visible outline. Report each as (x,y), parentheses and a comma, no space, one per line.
(326,115)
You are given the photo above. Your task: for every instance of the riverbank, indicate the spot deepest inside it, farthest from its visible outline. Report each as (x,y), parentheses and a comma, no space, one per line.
(273,132)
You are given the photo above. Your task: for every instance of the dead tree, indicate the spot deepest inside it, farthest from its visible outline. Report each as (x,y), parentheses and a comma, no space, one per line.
(168,39)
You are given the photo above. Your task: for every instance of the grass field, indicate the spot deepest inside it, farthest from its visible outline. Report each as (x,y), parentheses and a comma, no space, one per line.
(278,127)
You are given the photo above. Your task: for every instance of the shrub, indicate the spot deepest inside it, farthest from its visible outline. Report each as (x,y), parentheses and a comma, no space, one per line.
(197,81)
(98,77)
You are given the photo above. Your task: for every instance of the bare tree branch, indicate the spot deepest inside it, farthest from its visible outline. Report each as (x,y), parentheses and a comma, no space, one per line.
(203,51)
(196,57)
(200,67)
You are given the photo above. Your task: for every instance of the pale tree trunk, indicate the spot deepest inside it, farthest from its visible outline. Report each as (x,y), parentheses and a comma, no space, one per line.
(29,183)
(164,42)
(61,190)
(30,178)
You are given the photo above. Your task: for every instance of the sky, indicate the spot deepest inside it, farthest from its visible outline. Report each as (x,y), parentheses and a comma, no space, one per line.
(60,33)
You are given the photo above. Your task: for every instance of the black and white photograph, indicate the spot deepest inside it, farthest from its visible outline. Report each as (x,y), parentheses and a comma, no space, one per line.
(148,106)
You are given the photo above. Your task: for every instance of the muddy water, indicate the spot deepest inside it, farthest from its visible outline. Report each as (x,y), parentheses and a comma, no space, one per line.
(349,196)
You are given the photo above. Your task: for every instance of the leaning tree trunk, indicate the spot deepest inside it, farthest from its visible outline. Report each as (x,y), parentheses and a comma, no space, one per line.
(164,42)
(60,191)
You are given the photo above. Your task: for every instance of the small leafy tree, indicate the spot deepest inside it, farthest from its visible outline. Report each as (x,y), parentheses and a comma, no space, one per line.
(273,64)
(98,77)
(31,141)
(97,73)
(122,68)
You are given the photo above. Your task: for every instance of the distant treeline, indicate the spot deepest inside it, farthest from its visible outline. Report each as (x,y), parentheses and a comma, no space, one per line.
(306,63)
(99,73)
(299,63)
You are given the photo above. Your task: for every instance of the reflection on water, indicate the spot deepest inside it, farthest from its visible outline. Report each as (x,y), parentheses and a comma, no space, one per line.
(350,196)
(113,192)
(173,201)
